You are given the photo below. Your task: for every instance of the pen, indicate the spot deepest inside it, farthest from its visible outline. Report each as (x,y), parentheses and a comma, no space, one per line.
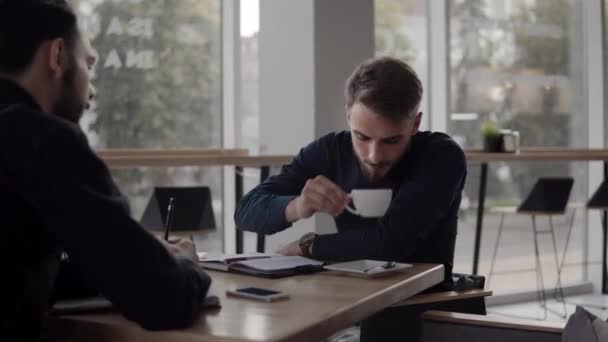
(169,219)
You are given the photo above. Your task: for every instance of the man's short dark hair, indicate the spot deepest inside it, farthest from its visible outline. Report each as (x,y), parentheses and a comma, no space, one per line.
(387,86)
(26,24)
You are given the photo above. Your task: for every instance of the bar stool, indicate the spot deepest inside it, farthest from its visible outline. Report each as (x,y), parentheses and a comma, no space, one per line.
(193,210)
(549,197)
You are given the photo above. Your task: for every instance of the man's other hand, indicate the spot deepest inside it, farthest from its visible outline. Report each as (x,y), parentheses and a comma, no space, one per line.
(318,194)
(291,249)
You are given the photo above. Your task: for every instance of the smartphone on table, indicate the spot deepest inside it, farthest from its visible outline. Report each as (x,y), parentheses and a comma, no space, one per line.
(256,293)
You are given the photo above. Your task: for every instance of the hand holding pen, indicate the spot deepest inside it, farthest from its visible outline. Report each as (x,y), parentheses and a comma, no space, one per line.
(177,246)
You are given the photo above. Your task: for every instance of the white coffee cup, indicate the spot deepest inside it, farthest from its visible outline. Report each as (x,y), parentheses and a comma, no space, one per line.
(370,202)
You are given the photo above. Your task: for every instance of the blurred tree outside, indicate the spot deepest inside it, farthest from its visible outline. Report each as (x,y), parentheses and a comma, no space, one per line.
(470,47)
(390,38)
(510,64)
(548,52)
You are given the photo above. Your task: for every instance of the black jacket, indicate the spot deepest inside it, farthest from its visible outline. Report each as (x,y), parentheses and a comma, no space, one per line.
(57,196)
(420,224)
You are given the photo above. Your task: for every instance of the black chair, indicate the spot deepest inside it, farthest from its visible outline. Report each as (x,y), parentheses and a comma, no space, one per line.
(193,209)
(549,197)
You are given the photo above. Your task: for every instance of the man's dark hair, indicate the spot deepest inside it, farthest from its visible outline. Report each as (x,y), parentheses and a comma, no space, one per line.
(387,86)
(26,24)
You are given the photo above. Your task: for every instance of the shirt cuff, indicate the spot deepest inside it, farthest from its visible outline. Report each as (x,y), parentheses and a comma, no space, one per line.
(277,208)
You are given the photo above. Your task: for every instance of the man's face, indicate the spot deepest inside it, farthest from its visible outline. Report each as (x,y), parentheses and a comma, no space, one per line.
(379,142)
(76,89)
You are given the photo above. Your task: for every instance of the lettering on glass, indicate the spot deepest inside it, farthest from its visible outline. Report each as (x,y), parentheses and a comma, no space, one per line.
(144,60)
(136,27)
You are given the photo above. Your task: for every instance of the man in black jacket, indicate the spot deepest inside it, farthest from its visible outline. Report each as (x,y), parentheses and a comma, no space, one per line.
(57,196)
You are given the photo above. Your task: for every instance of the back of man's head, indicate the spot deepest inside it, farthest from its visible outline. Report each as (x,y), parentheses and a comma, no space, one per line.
(387,86)
(26,24)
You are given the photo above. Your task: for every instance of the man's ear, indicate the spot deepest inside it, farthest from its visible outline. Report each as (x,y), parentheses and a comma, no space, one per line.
(347,114)
(417,121)
(56,57)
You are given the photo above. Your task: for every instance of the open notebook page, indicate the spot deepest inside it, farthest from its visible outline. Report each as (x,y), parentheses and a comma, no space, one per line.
(277,263)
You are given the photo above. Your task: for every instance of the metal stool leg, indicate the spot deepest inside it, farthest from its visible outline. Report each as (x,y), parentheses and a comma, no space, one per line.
(540,285)
(496,244)
(567,243)
(558,286)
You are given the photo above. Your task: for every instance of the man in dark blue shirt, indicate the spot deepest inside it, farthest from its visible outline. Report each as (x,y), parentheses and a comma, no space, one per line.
(383,149)
(57,196)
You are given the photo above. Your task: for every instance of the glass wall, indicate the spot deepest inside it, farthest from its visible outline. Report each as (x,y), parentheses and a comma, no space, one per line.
(515,64)
(158,82)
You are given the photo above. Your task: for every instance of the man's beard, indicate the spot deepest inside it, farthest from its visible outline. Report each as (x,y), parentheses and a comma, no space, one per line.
(375,176)
(69,106)
(386,166)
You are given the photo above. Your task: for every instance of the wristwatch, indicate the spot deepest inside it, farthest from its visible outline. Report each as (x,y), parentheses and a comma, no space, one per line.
(305,242)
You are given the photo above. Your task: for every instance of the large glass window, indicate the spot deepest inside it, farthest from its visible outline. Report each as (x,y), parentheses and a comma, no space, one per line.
(517,64)
(158,81)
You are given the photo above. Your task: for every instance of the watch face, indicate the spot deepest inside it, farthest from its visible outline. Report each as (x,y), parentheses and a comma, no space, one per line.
(306,239)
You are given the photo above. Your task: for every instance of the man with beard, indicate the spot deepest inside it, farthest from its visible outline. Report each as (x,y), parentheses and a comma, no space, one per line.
(383,149)
(57,196)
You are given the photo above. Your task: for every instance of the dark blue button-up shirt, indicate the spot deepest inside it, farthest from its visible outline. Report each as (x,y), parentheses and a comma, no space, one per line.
(420,224)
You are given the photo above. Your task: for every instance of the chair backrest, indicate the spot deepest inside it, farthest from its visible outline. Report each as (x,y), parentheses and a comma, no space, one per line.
(193,210)
(548,196)
(599,200)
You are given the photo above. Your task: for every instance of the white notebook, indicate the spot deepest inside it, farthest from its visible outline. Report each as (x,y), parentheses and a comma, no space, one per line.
(278,263)
(366,268)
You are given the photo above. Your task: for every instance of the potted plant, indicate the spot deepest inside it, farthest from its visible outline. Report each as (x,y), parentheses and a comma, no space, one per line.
(492,139)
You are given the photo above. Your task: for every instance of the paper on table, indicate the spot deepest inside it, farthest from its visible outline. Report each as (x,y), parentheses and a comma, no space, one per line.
(277,263)
(365,267)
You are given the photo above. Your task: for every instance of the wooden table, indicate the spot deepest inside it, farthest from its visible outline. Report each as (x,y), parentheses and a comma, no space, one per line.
(446,296)
(321,304)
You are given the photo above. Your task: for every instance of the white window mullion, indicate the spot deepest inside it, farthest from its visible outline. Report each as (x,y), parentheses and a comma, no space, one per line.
(594,84)
(438,66)
(231,83)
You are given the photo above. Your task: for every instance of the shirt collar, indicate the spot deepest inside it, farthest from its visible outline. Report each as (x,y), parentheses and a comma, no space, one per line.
(11,93)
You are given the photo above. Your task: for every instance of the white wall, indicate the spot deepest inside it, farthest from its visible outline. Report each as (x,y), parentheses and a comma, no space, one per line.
(344,37)
(286,53)
(307,50)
